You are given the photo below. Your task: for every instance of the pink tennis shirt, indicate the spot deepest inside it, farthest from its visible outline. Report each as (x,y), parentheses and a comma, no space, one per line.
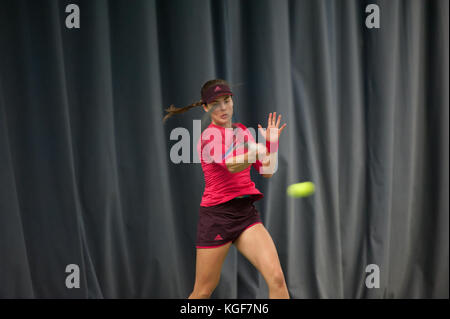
(214,147)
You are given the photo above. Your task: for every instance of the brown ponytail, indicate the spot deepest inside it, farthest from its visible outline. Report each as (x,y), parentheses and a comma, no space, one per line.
(171,110)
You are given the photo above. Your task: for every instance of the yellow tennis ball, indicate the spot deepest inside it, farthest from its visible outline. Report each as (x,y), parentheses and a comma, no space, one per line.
(301,189)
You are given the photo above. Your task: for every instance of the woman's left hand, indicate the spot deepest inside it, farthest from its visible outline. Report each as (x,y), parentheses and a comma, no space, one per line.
(273,132)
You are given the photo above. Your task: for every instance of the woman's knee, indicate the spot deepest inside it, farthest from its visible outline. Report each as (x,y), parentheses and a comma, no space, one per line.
(276,278)
(205,288)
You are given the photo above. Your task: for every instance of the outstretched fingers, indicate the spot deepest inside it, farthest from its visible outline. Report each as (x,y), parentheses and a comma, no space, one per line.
(272,122)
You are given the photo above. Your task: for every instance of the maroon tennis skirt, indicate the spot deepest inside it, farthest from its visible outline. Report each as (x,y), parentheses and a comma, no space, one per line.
(220,224)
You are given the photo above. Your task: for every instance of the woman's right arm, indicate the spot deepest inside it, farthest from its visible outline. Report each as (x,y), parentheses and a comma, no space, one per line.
(240,162)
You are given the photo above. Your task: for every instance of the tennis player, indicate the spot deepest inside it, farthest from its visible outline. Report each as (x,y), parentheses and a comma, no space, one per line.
(227,214)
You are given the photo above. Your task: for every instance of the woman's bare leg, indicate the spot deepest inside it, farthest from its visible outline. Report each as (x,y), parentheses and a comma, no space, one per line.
(207,270)
(256,244)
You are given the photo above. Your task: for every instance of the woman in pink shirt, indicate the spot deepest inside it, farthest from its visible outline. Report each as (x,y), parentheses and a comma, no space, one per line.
(227,215)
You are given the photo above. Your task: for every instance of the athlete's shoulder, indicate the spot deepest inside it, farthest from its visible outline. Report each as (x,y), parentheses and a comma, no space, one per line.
(240,125)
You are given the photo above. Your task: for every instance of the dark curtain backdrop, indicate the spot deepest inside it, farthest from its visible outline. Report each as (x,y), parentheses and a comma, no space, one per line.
(85,171)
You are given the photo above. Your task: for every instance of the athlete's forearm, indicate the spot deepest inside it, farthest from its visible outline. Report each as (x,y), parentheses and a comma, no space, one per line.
(240,162)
